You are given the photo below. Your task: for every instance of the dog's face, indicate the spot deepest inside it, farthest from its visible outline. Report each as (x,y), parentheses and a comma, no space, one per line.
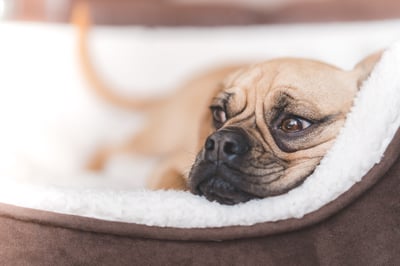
(273,123)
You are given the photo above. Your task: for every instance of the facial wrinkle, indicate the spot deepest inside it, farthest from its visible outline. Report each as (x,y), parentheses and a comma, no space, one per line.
(260,96)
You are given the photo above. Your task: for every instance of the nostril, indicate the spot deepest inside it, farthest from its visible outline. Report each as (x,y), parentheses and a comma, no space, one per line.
(225,145)
(235,148)
(209,146)
(230,148)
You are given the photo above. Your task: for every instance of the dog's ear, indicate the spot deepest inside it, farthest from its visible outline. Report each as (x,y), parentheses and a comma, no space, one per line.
(364,68)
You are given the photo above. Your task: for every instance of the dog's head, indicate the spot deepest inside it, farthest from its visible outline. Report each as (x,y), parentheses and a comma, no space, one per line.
(272,124)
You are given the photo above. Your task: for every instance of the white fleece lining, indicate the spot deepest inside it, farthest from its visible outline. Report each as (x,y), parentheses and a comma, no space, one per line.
(360,143)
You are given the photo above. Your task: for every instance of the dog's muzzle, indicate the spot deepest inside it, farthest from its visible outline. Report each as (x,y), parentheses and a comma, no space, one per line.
(226,146)
(215,173)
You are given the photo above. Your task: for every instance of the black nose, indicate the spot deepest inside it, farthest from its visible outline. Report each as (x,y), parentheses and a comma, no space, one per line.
(226,145)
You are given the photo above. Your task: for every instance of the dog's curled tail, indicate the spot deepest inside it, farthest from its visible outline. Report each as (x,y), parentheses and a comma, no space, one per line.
(81,18)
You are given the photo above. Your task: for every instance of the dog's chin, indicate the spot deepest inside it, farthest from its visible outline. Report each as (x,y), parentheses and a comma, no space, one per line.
(217,189)
(215,183)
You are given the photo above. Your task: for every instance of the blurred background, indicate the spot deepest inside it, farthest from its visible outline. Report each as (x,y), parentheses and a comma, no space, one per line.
(204,12)
(52,122)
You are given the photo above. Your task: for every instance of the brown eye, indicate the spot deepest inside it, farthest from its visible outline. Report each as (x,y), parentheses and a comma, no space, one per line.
(294,124)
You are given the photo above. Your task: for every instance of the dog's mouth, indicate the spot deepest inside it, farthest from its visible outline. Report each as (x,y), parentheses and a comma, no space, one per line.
(216,183)
(232,168)
(216,189)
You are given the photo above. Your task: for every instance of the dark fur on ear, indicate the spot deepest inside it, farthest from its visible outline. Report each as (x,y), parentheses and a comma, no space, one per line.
(365,66)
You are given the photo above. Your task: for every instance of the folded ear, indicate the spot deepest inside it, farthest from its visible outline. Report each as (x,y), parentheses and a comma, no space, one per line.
(364,68)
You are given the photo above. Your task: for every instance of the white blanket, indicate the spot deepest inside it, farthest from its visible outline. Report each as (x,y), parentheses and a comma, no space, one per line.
(51,122)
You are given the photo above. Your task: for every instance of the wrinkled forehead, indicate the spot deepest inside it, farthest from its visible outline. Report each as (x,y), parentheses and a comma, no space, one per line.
(302,79)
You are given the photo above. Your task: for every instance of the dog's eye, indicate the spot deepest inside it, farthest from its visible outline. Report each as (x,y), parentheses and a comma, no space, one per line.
(219,116)
(294,124)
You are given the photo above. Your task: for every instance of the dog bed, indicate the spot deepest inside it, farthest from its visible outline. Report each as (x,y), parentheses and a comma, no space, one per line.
(51,213)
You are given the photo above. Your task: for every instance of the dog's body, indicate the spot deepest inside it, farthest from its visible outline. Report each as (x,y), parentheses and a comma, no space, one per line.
(175,129)
(243,131)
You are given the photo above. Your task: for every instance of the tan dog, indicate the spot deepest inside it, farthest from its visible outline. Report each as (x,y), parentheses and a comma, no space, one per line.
(257,130)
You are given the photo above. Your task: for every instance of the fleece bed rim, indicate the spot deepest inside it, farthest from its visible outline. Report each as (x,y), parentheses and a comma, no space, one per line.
(134,230)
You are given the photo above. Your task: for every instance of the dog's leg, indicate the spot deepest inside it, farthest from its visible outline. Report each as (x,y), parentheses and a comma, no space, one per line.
(150,141)
(167,177)
(171,173)
(100,157)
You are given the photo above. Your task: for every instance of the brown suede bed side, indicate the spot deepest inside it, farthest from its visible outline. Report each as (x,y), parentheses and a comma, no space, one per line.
(353,230)
(209,13)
